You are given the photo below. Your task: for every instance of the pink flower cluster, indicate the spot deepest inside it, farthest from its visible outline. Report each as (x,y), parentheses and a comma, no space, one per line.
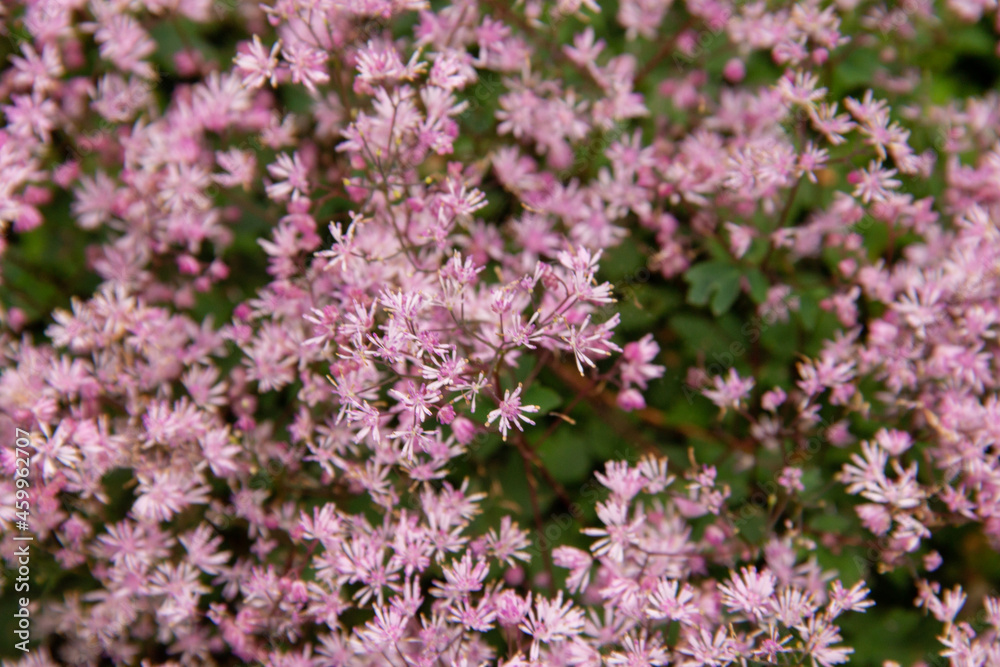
(433,192)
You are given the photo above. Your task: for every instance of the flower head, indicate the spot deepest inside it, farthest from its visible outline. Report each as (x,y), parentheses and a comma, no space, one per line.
(511,412)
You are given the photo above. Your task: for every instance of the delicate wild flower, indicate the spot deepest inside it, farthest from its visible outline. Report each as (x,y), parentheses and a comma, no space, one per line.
(511,412)
(250,304)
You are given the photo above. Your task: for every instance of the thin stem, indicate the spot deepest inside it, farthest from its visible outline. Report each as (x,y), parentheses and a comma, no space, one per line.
(664,51)
(786,211)
(539,523)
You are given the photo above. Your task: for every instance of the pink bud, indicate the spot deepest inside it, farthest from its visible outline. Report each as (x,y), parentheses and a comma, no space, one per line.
(72,53)
(218,270)
(734,71)
(514,576)
(184,297)
(65,174)
(715,535)
(687,42)
(37,196)
(16,318)
(446,415)
(188,265)
(299,205)
(242,312)
(188,63)
(298,592)
(27,219)
(464,430)
(511,608)
(932,561)
(630,400)
(356,194)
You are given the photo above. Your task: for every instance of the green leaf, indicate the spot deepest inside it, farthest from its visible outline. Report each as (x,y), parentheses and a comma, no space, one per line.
(642,306)
(808,311)
(758,285)
(718,281)
(621,264)
(726,291)
(832,523)
(545,398)
(975,39)
(700,279)
(699,333)
(856,69)
(566,456)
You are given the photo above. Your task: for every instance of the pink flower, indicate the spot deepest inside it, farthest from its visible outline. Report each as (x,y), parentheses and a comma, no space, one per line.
(791,479)
(551,621)
(306,65)
(293,177)
(511,608)
(257,65)
(740,237)
(674,601)
(750,593)
(636,367)
(511,412)
(729,392)
(705,648)
(772,399)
